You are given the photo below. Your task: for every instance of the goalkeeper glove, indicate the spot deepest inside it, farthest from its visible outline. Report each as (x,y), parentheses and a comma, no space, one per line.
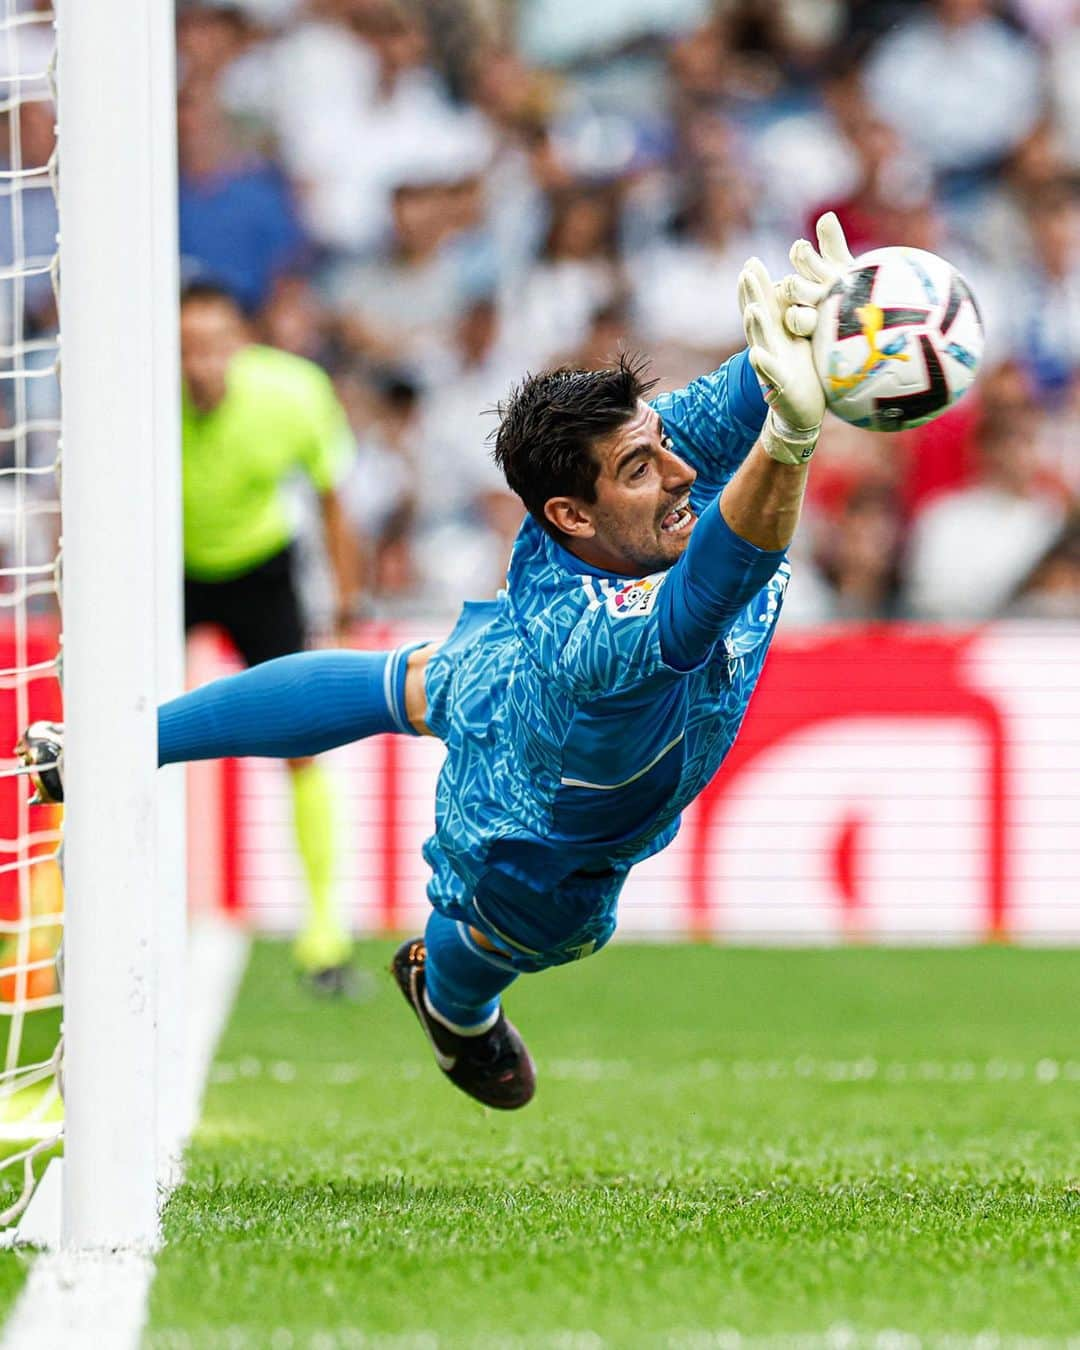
(785,366)
(41,751)
(816,271)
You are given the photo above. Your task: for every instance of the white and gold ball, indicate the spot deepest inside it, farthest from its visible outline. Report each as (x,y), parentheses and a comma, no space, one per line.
(899,339)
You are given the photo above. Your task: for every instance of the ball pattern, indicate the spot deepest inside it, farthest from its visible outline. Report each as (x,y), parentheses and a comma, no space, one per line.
(899,339)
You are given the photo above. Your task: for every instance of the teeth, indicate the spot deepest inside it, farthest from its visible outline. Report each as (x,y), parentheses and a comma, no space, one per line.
(675,520)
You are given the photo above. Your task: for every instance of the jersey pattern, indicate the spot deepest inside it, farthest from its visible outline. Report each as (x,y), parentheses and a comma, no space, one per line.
(572,746)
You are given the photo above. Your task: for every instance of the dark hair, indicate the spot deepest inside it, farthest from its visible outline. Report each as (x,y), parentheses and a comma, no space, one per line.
(549,423)
(204,288)
(397,386)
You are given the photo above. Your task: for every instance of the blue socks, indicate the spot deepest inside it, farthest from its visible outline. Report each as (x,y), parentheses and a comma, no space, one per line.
(463,982)
(289,708)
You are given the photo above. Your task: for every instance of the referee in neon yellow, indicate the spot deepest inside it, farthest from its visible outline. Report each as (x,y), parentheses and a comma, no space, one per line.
(253,418)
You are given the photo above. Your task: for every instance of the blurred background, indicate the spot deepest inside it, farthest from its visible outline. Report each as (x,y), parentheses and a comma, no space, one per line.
(430,197)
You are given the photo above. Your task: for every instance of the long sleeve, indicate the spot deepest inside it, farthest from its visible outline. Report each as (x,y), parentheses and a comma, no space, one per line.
(715,420)
(715,579)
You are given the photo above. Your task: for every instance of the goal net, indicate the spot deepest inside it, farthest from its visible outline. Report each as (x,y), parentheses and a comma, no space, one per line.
(30,889)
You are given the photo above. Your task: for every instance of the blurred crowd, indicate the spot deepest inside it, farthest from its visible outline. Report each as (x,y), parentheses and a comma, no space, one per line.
(431,197)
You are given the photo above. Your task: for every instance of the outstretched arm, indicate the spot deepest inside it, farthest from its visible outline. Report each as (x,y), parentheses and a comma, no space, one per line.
(739,541)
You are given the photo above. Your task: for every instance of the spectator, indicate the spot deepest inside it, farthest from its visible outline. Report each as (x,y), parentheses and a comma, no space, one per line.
(961,51)
(944,455)
(970,549)
(28,317)
(379,494)
(860,560)
(467,517)
(434,155)
(294,321)
(577,274)
(888,178)
(238,219)
(209,39)
(1044,309)
(401,309)
(682,293)
(311,89)
(27,141)
(454,461)
(1037,166)
(808,155)
(604,340)
(1052,589)
(353,100)
(1056,434)
(1065,89)
(555,33)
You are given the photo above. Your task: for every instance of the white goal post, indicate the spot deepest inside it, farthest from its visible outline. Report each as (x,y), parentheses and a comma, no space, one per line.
(124,907)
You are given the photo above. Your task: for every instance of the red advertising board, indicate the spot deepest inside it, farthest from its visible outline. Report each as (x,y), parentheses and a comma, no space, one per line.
(23,698)
(890,783)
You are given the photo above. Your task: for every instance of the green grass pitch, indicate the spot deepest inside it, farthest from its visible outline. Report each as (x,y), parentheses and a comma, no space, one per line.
(762,1142)
(40,1033)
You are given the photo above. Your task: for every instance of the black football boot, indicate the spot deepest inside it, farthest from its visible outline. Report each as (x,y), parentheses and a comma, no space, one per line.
(494,1067)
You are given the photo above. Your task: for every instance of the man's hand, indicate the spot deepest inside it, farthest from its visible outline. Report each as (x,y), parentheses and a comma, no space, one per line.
(784,363)
(816,271)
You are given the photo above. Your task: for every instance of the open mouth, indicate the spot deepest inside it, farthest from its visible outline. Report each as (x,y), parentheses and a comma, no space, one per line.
(678,519)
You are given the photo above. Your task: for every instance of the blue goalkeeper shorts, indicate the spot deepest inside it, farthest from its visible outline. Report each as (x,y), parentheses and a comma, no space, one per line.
(534,933)
(536,924)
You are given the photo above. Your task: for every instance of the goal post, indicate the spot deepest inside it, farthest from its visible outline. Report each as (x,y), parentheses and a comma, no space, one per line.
(120,501)
(174,1106)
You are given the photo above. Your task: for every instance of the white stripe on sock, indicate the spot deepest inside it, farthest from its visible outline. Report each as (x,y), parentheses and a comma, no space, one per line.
(457,1028)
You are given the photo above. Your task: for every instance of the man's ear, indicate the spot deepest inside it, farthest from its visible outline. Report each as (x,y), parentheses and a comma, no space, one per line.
(568,515)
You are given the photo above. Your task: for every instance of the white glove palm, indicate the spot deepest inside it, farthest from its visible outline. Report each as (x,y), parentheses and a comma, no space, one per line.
(816,270)
(784,364)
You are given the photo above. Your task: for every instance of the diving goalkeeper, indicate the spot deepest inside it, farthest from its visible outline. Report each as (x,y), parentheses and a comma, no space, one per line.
(585,707)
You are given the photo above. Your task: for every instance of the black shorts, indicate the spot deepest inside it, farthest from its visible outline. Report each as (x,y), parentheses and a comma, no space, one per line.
(259,610)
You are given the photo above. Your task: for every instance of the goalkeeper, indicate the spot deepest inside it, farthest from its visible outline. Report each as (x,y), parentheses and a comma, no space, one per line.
(253,418)
(596,697)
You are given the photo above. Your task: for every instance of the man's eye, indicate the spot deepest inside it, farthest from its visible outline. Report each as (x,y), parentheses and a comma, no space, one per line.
(666,442)
(639,472)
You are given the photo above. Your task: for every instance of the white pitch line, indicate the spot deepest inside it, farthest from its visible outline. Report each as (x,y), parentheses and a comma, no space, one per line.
(217,959)
(77,1301)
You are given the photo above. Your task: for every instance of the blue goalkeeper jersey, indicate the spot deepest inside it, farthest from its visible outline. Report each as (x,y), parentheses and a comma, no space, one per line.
(572,744)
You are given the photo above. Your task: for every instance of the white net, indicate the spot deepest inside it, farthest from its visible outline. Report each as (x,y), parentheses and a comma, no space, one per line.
(30,889)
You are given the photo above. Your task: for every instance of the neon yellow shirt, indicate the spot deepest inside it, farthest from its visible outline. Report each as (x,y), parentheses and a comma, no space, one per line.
(280,415)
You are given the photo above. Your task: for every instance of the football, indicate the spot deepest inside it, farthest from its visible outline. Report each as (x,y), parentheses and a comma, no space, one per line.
(898,341)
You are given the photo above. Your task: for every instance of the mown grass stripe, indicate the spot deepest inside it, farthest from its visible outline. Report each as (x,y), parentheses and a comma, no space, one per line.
(725,1143)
